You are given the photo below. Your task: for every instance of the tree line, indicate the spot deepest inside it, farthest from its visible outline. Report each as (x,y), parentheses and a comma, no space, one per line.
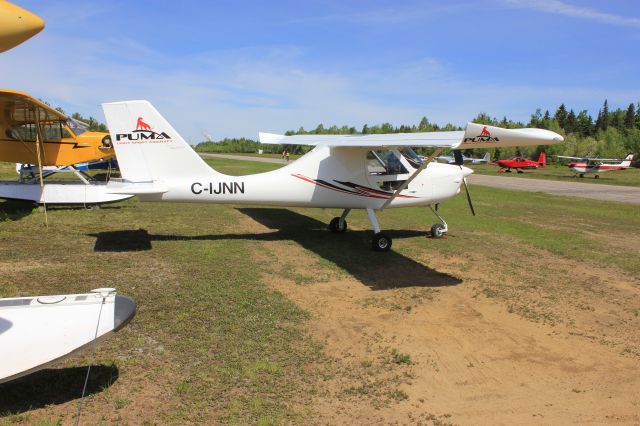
(611,134)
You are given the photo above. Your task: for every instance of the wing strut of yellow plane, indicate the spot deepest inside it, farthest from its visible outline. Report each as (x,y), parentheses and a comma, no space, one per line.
(40,148)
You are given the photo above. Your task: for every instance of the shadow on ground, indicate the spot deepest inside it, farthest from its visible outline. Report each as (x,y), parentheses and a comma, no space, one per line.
(350,251)
(53,386)
(15,209)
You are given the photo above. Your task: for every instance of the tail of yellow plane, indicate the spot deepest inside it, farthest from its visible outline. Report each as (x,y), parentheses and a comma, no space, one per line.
(17,25)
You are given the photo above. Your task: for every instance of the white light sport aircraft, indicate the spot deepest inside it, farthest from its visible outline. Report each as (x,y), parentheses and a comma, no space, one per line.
(369,172)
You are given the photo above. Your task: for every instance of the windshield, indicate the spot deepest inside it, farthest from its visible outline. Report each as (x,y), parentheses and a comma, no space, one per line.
(77,127)
(414,159)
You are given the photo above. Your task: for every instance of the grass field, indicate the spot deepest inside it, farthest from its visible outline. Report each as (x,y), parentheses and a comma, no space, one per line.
(251,315)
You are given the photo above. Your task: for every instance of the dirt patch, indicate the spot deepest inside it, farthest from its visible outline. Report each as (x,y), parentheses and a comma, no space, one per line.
(498,347)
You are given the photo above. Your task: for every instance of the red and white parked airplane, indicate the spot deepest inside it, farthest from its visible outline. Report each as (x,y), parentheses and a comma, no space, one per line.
(584,165)
(520,163)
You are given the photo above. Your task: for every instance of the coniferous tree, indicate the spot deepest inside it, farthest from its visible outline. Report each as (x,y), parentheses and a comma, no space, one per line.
(605,115)
(584,123)
(424,125)
(570,122)
(561,115)
(630,117)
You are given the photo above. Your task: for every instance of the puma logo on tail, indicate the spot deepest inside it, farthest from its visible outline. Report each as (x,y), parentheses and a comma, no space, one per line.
(484,132)
(141,125)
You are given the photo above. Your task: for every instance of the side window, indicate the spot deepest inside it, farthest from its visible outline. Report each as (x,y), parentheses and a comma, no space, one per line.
(55,131)
(380,163)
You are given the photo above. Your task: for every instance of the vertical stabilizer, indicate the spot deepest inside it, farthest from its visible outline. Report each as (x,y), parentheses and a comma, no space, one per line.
(542,159)
(148,148)
(627,161)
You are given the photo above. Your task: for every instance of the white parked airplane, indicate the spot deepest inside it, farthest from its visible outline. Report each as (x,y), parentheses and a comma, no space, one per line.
(369,172)
(451,159)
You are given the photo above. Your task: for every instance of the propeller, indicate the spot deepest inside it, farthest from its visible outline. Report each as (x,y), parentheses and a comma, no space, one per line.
(466,188)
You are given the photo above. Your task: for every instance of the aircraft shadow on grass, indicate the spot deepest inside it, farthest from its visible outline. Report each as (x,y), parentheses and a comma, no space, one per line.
(53,386)
(15,210)
(350,251)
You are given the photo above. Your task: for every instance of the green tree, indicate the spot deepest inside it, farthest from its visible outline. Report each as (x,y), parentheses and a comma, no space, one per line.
(561,115)
(570,122)
(584,123)
(630,117)
(605,115)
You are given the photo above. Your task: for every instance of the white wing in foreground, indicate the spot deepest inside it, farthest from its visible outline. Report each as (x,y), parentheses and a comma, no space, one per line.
(36,331)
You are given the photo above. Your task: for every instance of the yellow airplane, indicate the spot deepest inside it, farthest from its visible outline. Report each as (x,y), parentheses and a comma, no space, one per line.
(30,129)
(17,25)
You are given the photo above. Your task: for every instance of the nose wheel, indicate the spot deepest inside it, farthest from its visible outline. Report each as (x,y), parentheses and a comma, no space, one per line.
(338,225)
(438,230)
(381,242)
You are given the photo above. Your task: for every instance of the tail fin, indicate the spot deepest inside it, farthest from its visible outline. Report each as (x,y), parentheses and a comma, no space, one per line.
(486,158)
(627,161)
(542,159)
(148,148)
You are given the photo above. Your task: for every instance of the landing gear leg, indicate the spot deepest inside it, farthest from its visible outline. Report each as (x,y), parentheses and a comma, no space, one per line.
(381,241)
(438,230)
(338,225)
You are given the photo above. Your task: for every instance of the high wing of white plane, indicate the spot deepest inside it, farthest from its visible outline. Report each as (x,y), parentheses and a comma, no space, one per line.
(369,172)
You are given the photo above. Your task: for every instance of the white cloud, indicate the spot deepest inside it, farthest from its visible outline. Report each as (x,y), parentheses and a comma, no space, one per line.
(566,9)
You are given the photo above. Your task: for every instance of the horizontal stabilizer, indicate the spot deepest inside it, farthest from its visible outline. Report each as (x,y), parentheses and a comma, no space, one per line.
(135,188)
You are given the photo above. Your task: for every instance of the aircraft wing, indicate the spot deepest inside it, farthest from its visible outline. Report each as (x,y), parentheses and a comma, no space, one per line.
(474,136)
(589,158)
(430,139)
(18,108)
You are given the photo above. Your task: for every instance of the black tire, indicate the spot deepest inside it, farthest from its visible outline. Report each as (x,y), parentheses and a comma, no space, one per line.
(437,231)
(596,177)
(581,175)
(381,242)
(335,227)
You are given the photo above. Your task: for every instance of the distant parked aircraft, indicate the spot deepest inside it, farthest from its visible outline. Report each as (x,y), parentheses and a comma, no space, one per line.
(520,163)
(597,165)
(451,159)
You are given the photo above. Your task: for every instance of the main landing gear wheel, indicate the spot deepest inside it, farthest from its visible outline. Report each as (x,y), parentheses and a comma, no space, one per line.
(381,242)
(438,231)
(336,226)
(581,175)
(596,177)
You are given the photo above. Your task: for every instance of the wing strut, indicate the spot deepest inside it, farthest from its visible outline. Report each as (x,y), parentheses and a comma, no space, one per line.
(406,183)
(40,148)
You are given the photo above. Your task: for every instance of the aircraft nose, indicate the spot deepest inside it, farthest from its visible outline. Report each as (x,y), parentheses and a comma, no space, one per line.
(17,25)
(466,171)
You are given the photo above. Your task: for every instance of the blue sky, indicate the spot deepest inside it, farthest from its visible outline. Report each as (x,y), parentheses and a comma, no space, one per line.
(234,68)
